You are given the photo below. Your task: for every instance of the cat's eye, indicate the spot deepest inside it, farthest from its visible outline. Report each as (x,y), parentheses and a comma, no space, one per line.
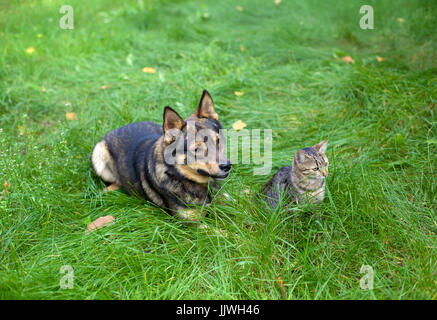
(315,169)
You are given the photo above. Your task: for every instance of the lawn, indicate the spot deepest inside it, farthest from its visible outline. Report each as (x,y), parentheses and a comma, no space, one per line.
(287,60)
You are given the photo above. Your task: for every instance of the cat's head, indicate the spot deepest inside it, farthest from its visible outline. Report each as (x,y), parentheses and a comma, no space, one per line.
(312,162)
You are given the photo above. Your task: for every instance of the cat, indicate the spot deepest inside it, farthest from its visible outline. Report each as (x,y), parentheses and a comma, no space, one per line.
(303,182)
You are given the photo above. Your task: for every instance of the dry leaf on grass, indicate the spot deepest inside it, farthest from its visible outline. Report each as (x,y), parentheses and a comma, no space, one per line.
(21,129)
(149,70)
(280,282)
(43,89)
(100,223)
(71,116)
(242,49)
(239,93)
(106,86)
(348,59)
(401,20)
(380,59)
(239,125)
(30,50)
(6,185)
(246,191)
(277,2)
(39,35)
(239,8)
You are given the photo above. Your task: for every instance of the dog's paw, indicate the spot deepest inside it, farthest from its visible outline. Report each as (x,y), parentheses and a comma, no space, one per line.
(112,187)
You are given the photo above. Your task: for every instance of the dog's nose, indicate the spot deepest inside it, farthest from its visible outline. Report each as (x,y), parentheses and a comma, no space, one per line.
(226,167)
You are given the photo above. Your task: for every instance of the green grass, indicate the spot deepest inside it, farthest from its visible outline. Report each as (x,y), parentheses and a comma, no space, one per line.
(380,119)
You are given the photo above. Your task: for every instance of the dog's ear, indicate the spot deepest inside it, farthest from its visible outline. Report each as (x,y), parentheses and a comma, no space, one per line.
(206,107)
(172,123)
(321,146)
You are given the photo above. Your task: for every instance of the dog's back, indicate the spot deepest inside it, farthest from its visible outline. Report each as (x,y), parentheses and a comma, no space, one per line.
(115,157)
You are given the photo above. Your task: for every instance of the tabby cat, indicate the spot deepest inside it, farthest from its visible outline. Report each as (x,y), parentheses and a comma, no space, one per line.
(302,182)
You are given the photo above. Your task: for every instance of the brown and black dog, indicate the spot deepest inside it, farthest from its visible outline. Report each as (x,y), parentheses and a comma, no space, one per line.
(171,165)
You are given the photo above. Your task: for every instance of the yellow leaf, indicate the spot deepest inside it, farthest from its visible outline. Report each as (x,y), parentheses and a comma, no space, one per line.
(149,70)
(239,93)
(277,2)
(105,87)
(348,59)
(242,48)
(380,59)
(6,185)
(30,50)
(239,8)
(39,35)
(100,223)
(71,116)
(239,125)
(43,89)
(21,129)
(401,20)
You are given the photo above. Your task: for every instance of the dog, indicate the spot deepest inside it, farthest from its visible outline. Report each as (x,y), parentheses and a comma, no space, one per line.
(175,165)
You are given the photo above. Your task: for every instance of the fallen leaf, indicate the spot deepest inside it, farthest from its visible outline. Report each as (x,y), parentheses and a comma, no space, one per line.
(100,223)
(21,129)
(401,20)
(277,2)
(105,87)
(280,282)
(39,35)
(6,185)
(149,70)
(43,89)
(71,116)
(348,59)
(242,48)
(246,191)
(30,50)
(380,59)
(239,8)
(239,93)
(239,125)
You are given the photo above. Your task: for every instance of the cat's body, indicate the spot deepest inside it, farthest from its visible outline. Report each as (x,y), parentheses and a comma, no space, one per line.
(302,182)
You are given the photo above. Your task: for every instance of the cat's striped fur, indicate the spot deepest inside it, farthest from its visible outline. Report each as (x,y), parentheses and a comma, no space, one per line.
(302,182)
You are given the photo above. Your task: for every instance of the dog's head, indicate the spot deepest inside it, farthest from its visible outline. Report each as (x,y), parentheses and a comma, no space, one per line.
(196,146)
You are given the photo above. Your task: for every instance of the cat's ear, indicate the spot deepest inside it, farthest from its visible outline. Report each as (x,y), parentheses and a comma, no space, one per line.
(301,156)
(206,107)
(321,146)
(172,123)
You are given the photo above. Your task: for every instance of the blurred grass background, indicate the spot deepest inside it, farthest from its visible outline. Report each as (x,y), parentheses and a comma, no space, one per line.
(379,117)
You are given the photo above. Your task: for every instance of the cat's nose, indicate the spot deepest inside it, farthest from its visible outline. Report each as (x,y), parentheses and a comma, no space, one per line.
(226,167)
